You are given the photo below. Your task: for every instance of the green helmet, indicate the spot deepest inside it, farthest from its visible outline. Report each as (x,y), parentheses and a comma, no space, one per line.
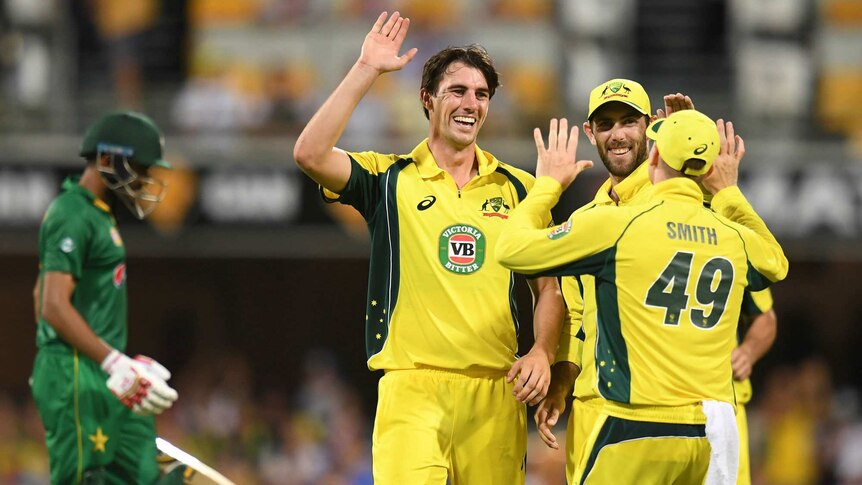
(132,134)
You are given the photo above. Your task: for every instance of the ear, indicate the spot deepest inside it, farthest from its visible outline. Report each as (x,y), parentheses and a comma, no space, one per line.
(425,97)
(588,130)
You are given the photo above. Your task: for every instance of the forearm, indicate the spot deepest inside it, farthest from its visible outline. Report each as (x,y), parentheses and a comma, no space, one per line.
(516,245)
(563,377)
(315,146)
(74,330)
(731,203)
(761,335)
(548,318)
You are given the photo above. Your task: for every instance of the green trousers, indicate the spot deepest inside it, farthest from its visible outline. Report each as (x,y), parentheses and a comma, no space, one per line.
(91,436)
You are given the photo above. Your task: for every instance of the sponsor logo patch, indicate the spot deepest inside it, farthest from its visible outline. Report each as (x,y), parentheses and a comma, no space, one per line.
(560,230)
(426,203)
(115,236)
(120,275)
(67,245)
(462,249)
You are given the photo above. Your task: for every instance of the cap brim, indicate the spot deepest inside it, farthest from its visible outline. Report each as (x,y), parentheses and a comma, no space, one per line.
(633,105)
(162,163)
(652,129)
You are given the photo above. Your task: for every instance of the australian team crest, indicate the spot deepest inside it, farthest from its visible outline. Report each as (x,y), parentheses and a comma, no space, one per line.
(615,88)
(495,207)
(462,249)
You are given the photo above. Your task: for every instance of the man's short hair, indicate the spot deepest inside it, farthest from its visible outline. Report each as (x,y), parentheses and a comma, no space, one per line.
(472,55)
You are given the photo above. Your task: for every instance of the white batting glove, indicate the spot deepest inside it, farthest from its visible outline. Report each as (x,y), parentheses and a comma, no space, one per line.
(139,383)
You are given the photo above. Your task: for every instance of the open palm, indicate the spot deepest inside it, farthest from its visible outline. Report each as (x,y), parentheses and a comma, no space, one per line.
(383,43)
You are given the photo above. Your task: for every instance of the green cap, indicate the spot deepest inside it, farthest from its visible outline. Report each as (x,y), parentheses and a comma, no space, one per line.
(132,134)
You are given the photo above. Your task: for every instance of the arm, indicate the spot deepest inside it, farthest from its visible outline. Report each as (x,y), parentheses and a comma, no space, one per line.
(526,246)
(315,151)
(757,341)
(140,384)
(533,370)
(58,311)
(721,180)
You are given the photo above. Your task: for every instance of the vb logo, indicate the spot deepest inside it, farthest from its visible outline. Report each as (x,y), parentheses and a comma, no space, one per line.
(462,249)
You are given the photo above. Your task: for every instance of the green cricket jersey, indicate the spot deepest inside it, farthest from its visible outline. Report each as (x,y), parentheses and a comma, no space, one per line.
(79,236)
(670,277)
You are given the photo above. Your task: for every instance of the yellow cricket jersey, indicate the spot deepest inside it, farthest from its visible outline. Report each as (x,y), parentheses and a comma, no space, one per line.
(578,337)
(753,305)
(669,281)
(436,294)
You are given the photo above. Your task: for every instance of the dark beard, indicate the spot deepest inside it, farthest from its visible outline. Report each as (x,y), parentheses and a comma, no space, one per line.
(623,172)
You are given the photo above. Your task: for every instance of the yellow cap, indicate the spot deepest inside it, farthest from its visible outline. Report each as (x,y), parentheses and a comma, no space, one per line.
(683,135)
(622,90)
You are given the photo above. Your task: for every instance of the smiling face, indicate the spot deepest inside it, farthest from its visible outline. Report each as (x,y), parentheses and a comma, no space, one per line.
(458,108)
(619,133)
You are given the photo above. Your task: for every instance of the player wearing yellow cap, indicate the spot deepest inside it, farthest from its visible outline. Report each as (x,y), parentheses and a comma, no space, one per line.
(669,277)
(617,121)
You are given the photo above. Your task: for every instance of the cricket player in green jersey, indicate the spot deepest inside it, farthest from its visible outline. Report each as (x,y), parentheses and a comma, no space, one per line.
(440,317)
(96,403)
(670,278)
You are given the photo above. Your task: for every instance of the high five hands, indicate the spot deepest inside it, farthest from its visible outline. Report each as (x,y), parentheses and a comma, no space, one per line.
(558,160)
(382,45)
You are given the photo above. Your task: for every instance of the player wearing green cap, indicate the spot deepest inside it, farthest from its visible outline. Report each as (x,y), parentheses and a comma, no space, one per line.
(670,276)
(96,403)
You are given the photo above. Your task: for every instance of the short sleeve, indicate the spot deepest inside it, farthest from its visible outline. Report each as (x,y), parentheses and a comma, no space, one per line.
(63,241)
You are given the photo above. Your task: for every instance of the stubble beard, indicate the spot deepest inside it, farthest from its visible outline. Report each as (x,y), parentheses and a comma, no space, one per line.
(623,170)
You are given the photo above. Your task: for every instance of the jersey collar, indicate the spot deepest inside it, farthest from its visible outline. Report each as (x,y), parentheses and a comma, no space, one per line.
(677,189)
(427,164)
(71,185)
(627,189)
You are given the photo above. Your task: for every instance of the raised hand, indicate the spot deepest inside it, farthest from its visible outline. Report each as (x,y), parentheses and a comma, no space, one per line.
(558,159)
(725,169)
(673,103)
(382,45)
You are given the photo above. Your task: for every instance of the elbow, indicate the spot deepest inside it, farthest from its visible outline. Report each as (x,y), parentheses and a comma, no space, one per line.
(51,311)
(504,253)
(305,155)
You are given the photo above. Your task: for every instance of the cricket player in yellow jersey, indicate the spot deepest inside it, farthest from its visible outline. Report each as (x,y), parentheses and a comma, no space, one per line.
(617,120)
(758,328)
(670,277)
(616,125)
(440,317)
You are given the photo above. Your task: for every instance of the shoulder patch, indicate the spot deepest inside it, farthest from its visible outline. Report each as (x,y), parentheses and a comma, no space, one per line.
(67,245)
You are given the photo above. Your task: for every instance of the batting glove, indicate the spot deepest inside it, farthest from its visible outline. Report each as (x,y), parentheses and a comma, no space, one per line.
(139,383)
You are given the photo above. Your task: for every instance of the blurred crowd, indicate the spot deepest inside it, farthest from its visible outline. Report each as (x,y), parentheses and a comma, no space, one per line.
(803,431)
